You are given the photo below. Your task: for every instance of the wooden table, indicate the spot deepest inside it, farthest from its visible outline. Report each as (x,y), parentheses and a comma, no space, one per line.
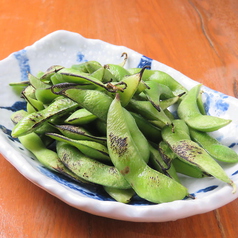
(197,37)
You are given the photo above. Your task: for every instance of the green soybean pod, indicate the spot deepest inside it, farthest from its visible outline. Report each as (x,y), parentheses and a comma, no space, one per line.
(94,101)
(189,151)
(188,169)
(91,149)
(89,169)
(34,105)
(45,95)
(150,131)
(80,117)
(117,71)
(162,78)
(166,79)
(132,83)
(98,74)
(71,75)
(188,110)
(92,66)
(18,87)
(120,195)
(147,183)
(50,72)
(148,111)
(45,156)
(34,120)
(80,67)
(214,147)
(79,133)
(18,115)
(156,92)
(159,164)
(138,137)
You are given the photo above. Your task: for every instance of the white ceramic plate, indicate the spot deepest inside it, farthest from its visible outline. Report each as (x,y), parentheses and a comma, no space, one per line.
(67,48)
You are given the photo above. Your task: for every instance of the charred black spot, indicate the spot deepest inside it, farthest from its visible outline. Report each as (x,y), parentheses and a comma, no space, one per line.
(154,180)
(31,119)
(112,170)
(187,151)
(65,158)
(118,144)
(85,175)
(71,128)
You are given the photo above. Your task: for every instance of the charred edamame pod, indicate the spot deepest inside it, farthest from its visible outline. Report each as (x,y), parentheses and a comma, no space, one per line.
(189,151)
(89,169)
(147,183)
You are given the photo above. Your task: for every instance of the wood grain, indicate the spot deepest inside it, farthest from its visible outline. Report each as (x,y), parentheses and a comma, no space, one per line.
(197,37)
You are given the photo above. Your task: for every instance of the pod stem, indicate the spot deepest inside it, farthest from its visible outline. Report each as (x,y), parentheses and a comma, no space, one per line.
(114,87)
(125,55)
(62,86)
(143,69)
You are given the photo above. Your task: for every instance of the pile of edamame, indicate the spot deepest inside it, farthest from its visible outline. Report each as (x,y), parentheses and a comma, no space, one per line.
(111,126)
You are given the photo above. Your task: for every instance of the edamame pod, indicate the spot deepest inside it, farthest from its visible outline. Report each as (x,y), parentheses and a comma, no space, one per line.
(46,157)
(18,115)
(200,103)
(45,95)
(50,71)
(91,149)
(147,183)
(80,67)
(92,66)
(89,169)
(138,137)
(46,127)
(74,76)
(188,169)
(132,83)
(164,104)
(33,105)
(166,153)
(108,76)
(80,117)
(156,158)
(214,147)
(18,87)
(162,78)
(179,165)
(36,82)
(150,131)
(94,101)
(188,111)
(34,120)
(117,71)
(120,195)
(166,79)
(159,123)
(156,92)
(189,151)
(98,74)
(79,133)
(148,111)
(29,91)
